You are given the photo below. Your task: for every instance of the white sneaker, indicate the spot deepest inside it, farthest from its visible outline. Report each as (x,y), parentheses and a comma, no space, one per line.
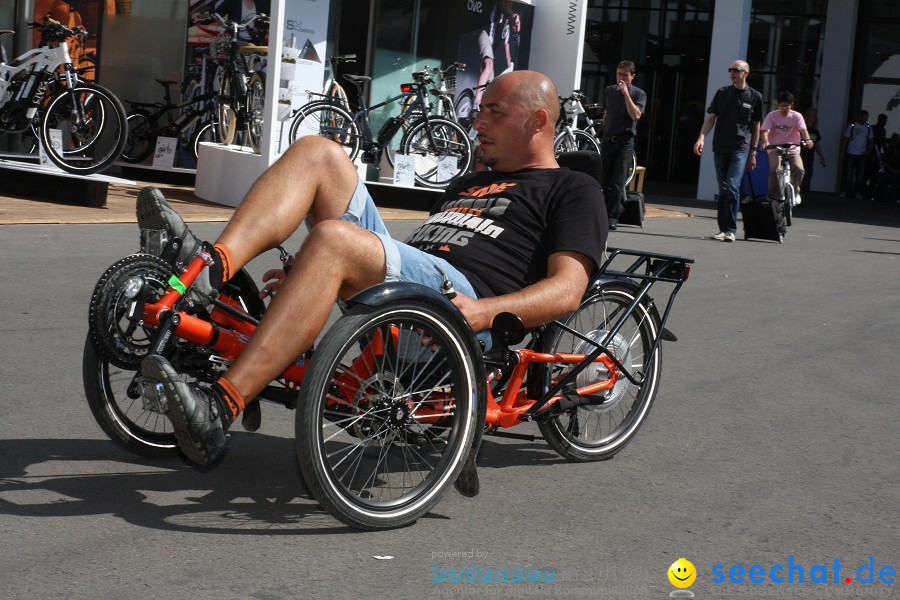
(720,236)
(729,237)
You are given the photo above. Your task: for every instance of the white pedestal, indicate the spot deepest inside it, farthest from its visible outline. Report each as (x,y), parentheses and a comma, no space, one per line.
(225,173)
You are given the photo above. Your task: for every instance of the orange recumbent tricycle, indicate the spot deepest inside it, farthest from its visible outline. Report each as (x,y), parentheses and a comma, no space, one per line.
(392,404)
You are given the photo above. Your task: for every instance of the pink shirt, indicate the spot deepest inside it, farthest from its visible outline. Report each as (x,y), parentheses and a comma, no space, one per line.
(784,130)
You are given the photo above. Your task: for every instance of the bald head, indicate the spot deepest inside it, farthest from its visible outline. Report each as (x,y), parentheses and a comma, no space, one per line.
(532,91)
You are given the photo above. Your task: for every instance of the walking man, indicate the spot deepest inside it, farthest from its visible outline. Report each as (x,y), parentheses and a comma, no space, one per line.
(856,144)
(736,112)
(624,104)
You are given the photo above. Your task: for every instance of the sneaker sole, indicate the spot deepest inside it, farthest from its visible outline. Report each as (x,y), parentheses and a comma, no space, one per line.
(158,369)
(154,212)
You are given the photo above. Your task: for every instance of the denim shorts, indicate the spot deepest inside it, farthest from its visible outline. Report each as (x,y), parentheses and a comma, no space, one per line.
(402,261)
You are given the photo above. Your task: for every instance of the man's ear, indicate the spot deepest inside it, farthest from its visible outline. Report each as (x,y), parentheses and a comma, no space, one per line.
(538,120)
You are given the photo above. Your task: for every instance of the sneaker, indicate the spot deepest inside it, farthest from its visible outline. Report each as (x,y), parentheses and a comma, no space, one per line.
(159,223)
(720,236)
(613,225)
(198,415)
(729,237)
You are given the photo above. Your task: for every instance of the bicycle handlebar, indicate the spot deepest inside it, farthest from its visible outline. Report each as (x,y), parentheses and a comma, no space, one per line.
(787,146)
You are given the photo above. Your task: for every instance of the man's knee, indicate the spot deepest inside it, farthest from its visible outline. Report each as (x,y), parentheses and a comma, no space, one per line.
(312,149)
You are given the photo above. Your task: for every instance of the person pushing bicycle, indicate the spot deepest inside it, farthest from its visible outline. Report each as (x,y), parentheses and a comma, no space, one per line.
(785,126)
(524,238)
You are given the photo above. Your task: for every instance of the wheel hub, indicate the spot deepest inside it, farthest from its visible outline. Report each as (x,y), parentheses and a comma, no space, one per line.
(597,371)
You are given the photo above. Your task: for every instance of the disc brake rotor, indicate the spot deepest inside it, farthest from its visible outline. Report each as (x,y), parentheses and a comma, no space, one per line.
(597,371)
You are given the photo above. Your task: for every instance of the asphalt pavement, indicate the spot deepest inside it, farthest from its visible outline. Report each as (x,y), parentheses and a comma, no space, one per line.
(772,442)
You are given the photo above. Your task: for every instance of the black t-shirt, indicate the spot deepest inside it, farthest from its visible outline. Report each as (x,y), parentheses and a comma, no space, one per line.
(500,228)
(618,121)
(735,112)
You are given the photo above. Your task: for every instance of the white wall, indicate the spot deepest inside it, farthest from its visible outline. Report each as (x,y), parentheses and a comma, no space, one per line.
(557,41)
(834,91)
(731,30)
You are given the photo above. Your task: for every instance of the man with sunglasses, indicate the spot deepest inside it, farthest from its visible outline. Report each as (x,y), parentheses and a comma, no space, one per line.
(736,112)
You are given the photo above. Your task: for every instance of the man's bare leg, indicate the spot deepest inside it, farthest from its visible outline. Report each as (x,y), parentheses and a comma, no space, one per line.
(313,178)
(337,259)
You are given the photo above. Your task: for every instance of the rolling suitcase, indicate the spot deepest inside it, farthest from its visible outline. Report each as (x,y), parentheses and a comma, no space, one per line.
(633,209)
(763,217)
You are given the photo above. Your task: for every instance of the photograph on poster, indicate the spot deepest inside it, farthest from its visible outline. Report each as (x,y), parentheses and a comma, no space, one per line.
(74,13)
(496,37)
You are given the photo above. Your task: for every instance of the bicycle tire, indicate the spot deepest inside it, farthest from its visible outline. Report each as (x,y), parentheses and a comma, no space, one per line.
(324,119)
(431,140)
(91,144)
(226,111)
(141,136)
(580,141)
(578,434)
(412,422)
(256,101)
(632,169)
(787,195)
(206,133)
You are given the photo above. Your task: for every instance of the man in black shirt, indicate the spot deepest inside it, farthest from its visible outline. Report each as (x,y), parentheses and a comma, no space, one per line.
(623,105)
(523,238)
(736,112)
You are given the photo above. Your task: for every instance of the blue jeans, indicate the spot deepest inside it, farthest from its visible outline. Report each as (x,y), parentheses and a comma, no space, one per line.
(729,171)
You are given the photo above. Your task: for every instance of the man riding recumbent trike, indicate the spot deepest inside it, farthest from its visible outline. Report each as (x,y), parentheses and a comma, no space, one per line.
(393,401)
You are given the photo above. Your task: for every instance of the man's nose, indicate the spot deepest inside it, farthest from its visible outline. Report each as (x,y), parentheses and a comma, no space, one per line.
(479,123)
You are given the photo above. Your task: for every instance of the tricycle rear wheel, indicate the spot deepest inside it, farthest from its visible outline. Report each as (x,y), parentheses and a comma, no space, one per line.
(599,431)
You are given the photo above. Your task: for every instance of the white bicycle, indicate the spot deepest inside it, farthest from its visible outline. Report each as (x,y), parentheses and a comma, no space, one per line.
(82,125)
(788,196)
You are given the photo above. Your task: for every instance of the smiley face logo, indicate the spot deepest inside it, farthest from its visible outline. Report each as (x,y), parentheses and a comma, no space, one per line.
(682,573)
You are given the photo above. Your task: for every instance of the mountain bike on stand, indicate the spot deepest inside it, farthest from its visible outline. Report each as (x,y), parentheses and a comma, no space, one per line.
(144,123)
(82,124)
(241,88)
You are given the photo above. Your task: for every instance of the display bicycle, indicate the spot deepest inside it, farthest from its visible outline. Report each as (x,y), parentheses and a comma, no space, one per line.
(441,147)
(82,124)
(392,405)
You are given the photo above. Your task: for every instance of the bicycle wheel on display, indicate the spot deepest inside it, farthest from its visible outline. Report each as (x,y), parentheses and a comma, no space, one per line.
(208,132)
(328,121)
(598,431)
(631,167)
(580,141)
(141,136)
(392,405)
(226,112)
(442,151)
(256,99)
(788,196)
(84,129)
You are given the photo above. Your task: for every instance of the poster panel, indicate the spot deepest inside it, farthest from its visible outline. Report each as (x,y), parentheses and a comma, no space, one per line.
(84,13)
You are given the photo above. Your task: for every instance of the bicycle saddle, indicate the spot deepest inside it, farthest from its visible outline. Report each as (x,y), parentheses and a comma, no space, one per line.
(357,78)
(166,82)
